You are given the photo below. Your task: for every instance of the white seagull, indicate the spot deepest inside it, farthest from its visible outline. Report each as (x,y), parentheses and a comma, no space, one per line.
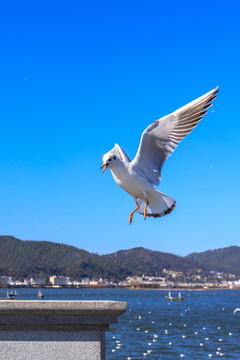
(236,310)
(140,176)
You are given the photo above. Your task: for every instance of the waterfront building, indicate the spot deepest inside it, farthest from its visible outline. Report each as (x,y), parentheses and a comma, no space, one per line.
(59,280)
(6,280)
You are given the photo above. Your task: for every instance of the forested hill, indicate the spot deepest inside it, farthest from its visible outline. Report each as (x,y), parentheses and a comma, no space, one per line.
(143,261)
(222,260)
(20,259)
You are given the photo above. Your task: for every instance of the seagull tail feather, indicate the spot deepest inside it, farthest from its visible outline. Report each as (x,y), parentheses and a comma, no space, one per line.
(159,205)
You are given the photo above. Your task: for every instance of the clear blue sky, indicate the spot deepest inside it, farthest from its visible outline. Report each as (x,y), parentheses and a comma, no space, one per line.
(78,76)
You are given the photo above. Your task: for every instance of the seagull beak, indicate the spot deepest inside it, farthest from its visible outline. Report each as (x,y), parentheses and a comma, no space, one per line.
(105,166)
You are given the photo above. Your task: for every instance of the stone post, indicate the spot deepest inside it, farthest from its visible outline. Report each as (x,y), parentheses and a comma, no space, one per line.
(56,330)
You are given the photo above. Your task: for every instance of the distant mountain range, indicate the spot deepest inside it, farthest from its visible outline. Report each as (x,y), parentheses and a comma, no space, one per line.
(222,260)
(21,259)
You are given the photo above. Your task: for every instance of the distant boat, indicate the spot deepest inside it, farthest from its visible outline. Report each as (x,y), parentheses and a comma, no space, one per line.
(11,295)
(170,298)
(40,294)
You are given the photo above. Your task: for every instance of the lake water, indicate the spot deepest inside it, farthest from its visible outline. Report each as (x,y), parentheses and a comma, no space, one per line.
(203,326)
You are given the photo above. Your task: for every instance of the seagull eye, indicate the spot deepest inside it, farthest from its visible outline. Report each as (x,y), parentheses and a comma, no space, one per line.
(109,159)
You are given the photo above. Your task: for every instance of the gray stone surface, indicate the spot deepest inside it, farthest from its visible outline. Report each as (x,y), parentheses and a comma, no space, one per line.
(76,350)
(56,330)
(62,308)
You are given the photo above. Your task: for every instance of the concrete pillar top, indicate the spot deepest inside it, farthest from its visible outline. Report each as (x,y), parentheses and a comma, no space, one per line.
(62,308)
(56,330)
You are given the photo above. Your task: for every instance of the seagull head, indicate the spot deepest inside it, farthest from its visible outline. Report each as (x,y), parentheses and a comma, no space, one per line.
(108,160)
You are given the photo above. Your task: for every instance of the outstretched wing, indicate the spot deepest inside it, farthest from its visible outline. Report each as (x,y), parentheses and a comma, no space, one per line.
(162,136)
(117,150)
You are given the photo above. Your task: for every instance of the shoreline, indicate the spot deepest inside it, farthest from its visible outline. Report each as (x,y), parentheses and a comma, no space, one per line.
(115,287)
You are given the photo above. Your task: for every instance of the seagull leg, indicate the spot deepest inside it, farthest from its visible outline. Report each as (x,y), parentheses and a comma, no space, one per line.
(131,214)
(145,210)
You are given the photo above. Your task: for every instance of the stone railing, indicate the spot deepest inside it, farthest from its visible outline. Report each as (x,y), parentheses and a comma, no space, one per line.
(56,330)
